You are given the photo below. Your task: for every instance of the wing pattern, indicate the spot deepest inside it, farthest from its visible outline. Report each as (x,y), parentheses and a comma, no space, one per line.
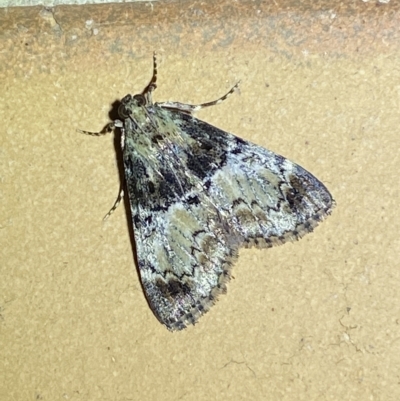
(197,195)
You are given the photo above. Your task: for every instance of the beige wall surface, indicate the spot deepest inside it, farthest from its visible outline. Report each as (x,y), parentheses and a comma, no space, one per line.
(318,319)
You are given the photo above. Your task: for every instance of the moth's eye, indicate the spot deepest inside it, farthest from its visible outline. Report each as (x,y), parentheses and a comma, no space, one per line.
(141,100)
(124,108)
(123,111)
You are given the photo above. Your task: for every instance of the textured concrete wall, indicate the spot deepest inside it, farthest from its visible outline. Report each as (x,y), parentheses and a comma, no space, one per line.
(314,320)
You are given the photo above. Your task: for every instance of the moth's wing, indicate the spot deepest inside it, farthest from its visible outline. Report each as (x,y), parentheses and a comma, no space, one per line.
(184,256)
(272,199)
(218,194)
(266,198)
(183,243)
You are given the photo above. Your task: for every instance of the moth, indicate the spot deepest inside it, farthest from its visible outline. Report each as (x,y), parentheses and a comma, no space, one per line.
(197,194)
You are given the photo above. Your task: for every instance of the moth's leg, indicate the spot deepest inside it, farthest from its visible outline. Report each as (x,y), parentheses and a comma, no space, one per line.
(116,203)
(147,93)
(191,108)
(106,130)
(121,188)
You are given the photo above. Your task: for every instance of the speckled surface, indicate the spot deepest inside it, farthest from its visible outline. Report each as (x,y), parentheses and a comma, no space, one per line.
(313,320)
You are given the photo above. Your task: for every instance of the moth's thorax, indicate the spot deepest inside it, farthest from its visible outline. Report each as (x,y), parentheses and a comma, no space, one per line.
(150,128)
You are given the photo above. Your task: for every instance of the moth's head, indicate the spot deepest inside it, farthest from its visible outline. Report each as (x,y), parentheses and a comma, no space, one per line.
(131,104)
